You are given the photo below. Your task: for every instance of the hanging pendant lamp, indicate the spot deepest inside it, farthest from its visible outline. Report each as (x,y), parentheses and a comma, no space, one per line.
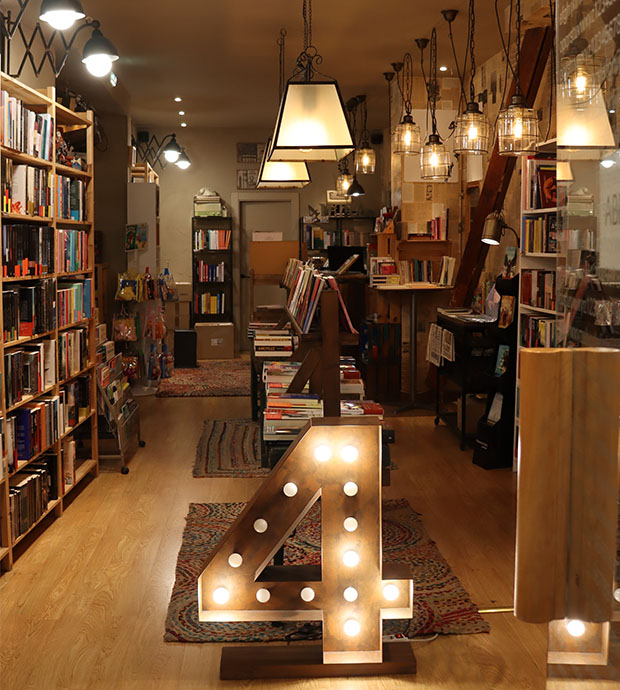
(435,159)
(311,124)
(517,125)
(356,188)
(365,158)
(281,174)
(344,179)
(471,135)
(407,137)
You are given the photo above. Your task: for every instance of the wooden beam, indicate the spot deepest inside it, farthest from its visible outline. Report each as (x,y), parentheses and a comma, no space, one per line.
(535,49)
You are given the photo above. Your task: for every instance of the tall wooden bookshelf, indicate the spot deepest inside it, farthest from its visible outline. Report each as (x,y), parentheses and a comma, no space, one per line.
(78,126)
(538,256)
(212,252)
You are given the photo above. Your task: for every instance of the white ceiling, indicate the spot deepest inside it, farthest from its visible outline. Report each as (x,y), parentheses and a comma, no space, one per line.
(222,57)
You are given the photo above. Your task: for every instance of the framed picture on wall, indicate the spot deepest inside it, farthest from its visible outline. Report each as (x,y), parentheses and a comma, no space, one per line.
(247,179)
(250,153)
(335,197)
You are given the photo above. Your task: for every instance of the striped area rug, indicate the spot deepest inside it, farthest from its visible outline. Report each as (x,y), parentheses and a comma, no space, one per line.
(229,448)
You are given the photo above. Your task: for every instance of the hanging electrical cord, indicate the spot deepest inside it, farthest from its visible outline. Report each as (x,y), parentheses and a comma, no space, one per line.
(552,68)
(407,133)
(507,54)
(449,16)
(281,42)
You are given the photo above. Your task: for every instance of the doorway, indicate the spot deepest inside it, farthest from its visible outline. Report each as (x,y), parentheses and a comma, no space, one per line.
(261,213)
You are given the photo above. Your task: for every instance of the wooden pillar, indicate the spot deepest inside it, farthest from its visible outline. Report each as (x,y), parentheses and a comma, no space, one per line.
(330,352)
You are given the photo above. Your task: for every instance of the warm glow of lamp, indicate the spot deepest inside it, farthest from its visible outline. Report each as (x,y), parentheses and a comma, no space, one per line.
(221,595)
(351,627)
(365,160)
(391,592)
(517,128)
(61,14)
(350,594)
(471,134)
(322,453)
(343,182)
(564,172)
(263,595)
(575,628)
(311,124)
(260,525)
(307,594)
(281,174)
(235,560)
(349,453)
(585,127)
(350,558)
(407,137)
(435,159)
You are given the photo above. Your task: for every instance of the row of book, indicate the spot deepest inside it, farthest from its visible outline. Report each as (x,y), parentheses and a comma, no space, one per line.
(304,296)
(74,302)
(211,239)
(73,354)
(540,234)
(273,343)
(27,250)
(23,130)
(538,288)
(416,271)
(538,331)
(28,310)
(292,266)
(541,191)
(207,303)
(29,370)
(319,238)
(210,273)
(26,190)
(434,229)
(70,198)
(71,250)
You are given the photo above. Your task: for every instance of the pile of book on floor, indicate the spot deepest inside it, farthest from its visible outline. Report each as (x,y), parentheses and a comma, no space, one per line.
(287,413)
(273,342)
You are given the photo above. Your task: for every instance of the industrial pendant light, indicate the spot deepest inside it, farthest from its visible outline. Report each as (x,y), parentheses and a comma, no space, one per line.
(183,160)
(356,188)
(281,174)
(407,138)
(99,54)
(517,125)
(471,135)
(311,124)
(344,179)
(172,151)
(61,14)
(365,158)
(435,157)
(582,114)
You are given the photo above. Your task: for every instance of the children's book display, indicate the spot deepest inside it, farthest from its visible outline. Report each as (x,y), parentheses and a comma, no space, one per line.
(119,419)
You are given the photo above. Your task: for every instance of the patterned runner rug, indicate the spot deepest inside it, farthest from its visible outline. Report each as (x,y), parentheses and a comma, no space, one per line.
(441,605)
(218,377)
(229,449)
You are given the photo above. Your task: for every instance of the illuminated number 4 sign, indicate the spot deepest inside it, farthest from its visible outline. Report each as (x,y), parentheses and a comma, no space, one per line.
(352,590)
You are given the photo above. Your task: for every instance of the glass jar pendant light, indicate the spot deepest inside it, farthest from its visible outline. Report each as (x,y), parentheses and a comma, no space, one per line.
(435,160)
(582,75)
(311,124)
(365,158)
(517,125)
(471,135)
(344,181)
(407,137)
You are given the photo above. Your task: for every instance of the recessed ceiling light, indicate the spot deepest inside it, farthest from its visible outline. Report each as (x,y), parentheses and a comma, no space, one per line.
(443,68)
(178,99)
(183,124)
(181,112)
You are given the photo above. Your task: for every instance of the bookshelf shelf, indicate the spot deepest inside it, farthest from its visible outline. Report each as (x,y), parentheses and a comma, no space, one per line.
(538,211)
(26,219)
(50,506)
(68,171)
(77,130)
(19,157)
(541,310)
(81,471)
(27,339)
(540,255)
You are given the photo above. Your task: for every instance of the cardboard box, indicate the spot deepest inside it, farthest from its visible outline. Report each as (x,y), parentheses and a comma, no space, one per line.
(185,292)
(215,340)
(176,315)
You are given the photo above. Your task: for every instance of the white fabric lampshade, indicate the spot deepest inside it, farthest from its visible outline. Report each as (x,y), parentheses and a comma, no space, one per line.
(311,124)
(585,127)
(282,174)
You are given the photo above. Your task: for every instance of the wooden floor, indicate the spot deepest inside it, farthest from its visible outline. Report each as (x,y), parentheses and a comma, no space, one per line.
(84,607)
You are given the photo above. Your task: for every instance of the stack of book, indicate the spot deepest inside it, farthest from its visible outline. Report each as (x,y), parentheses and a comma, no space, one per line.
(26,190)
(74,302)
(273,343)
(359,408)
(538,288)
(540,234)
(278,375)
(304,296)
(287,413)
(383,271)
(206,205)
(70,198)
(211,239)
(27,250)
(255,327)
(21,129)
(71,250)
(351,384)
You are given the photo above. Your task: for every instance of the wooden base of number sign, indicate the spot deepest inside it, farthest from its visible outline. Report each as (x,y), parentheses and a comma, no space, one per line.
(306,661)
